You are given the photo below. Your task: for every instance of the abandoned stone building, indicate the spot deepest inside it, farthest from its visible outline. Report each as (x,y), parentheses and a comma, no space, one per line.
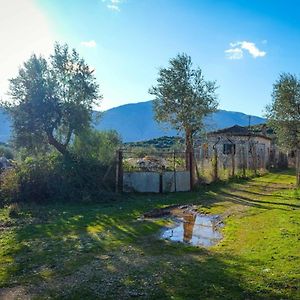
(236,148)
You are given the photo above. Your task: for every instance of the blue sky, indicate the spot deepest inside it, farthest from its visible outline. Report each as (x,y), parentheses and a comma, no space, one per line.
(243,45)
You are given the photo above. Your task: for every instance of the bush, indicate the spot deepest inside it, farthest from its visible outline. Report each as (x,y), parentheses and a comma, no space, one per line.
(98,146)
(14,210)
(6,152)
(9,186)
(56,178)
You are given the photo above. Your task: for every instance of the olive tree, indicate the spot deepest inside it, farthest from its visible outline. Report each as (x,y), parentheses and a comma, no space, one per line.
(284,114)
(52,100)
(183,98)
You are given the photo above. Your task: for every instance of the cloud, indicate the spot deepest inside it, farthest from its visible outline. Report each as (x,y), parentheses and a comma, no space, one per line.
(113,5)
(237,50)
(234,53)
(89,44)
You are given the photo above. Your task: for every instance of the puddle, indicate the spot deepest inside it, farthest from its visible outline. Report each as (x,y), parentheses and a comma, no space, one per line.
(190,227)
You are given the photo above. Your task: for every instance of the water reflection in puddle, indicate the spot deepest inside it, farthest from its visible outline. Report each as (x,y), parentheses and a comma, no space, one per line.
(194,229)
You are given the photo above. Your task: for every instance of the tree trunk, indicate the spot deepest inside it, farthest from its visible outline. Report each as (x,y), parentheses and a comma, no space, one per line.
(189,154)
(298,167)
(188,147)
(57,145)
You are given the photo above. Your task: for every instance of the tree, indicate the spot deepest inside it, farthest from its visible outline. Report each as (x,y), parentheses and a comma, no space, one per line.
(51,100)
(284,114)
(183,98)
(98,145)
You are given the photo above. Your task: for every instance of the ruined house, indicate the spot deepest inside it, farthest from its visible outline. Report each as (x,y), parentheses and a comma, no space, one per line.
(236,148)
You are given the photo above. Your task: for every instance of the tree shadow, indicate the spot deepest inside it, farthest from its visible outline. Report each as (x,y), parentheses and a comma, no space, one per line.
(257,203)
(103,252)
(96,254)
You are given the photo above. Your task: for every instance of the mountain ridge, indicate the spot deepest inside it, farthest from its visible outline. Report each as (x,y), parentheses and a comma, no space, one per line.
(135,122)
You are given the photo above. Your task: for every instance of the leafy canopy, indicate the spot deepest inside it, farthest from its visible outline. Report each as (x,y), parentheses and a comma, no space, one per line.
(284,111)
(182,95)
(52,100)
(97,145)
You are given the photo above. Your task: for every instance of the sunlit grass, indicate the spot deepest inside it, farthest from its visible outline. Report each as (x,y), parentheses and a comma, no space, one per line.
(54,250)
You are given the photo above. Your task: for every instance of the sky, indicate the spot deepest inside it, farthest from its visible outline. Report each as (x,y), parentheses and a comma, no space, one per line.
(243,45)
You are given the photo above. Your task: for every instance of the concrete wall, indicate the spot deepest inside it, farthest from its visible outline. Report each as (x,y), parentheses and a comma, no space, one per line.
(182,179)
(169,182)
(143,182)
(149,182)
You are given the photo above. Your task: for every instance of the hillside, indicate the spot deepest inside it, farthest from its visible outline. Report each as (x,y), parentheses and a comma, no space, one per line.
(135,122)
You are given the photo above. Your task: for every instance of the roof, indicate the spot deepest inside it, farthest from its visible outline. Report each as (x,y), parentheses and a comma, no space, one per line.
(237,130)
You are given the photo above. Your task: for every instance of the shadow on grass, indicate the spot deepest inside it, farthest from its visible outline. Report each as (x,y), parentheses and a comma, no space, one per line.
(70,259)
(103,252)
(257,203)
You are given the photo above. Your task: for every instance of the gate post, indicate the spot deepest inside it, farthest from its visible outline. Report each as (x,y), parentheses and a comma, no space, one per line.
(119,172)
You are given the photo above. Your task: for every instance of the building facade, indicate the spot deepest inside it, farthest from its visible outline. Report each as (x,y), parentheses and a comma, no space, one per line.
(236,148)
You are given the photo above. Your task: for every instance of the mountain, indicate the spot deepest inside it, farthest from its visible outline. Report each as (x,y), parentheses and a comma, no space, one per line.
(135,122)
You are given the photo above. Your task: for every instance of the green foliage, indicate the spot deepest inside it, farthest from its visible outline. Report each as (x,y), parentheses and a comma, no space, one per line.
(183,96)
(284,111)
(161,143)
(9,186)
(51,100)
(14,210)
(53,177)
(6,152)
(97,145)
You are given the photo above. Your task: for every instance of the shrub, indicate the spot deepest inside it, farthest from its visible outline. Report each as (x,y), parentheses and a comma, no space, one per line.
(9,186)
(14,210)
(98,146)
(56,178)
(6,152)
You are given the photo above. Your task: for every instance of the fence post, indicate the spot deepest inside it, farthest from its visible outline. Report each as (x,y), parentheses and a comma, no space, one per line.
(119,172)
(215,166)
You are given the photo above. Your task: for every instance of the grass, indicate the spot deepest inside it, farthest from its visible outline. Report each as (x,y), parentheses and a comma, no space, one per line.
(101,251)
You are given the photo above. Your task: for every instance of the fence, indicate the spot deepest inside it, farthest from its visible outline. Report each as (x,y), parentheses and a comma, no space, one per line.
(223,159)
(177,171)
(157,172)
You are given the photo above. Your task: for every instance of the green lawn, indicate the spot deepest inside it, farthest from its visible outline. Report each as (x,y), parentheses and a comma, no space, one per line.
(102,251)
